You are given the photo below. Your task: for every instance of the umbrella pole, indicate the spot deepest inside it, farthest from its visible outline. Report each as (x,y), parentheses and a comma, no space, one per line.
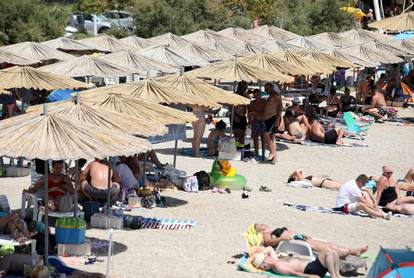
(306,96)
(109,262)
(108,197)
(175,153)
(145,169)
(232,112)
(75,205)
(46,197)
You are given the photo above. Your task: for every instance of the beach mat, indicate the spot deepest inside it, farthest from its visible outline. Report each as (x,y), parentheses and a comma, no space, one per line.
(311,143)
(332,210)
(167,223)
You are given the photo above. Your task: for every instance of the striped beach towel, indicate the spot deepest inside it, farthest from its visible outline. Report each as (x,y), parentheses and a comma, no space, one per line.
(167,223)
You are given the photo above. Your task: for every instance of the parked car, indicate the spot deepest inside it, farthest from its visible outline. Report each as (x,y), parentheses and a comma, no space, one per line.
(121,19)
(86,21)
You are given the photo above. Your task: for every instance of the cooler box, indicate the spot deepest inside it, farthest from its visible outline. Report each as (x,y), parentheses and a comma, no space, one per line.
(70,230)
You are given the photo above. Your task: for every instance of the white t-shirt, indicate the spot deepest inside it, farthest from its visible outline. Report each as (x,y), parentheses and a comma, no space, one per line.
(348,193)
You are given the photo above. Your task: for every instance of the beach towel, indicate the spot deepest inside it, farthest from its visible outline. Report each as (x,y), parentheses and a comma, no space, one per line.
(333,210)
(351,125)
(167,223)
(252,237)
(312,143)
(300,184)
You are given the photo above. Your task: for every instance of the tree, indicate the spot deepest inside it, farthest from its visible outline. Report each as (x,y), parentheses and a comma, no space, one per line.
(31,20)
(99,6)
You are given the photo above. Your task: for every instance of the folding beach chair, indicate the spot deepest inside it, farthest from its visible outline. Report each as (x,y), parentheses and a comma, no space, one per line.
(407,92)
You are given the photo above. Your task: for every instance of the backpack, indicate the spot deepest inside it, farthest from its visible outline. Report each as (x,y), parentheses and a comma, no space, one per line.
(203,180)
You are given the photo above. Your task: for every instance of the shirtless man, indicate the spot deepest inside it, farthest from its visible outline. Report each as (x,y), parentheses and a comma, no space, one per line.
(266,259)
(94,181)
(272,116)
(327,183)
(257,106)
(273,238)
(318,134)
(363,89)
(378,106)
(297,127)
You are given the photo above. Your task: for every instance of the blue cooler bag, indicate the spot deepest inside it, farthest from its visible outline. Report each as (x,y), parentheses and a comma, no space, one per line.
(70,230)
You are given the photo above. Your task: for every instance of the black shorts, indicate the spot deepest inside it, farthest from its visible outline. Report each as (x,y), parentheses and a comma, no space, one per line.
(271,125)
(331,136)
(316,268)
(101,195)
(241,123)
(368,100)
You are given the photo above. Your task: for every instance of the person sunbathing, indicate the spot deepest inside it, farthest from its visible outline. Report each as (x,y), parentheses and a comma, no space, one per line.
(11,224)
(378,106)
(402,208)
(266,259)
(273,238)
(318,134)
(58,185)
(214,137)
(327,183)
(94,181)
(297,127)
(407,183)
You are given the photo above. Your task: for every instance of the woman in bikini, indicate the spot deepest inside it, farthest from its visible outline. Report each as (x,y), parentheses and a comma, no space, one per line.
(327,183)
(58,185)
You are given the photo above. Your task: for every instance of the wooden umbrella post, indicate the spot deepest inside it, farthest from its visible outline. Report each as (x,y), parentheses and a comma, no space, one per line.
(108,197)
(75,203)
(46,197)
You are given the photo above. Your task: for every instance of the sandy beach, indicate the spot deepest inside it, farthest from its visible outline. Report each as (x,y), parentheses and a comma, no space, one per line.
(210,249)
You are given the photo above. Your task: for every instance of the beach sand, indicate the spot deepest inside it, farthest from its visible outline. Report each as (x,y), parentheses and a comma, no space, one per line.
(209,249)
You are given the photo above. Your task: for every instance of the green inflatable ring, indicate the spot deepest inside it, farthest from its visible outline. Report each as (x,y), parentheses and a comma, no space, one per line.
(237,182)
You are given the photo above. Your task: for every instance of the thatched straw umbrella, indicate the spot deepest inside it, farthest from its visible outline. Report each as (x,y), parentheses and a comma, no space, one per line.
(104,43)
(399,23)
(135,43)
(36,51)
(69,45)
(10,58)
(269,62)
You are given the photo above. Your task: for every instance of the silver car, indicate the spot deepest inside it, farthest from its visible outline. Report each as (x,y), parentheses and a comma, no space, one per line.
(121,19)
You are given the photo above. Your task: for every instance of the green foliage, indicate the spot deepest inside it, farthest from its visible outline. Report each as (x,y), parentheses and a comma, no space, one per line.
(99,6)
(31,20)
(118,33)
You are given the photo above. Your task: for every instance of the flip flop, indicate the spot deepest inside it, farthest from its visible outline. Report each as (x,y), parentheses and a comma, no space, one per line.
(265,189)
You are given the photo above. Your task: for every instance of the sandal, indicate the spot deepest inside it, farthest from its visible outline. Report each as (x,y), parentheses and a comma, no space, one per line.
(228,190)
(244,195)
(265,189)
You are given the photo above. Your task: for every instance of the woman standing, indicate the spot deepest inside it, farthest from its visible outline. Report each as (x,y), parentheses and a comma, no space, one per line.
(199,127)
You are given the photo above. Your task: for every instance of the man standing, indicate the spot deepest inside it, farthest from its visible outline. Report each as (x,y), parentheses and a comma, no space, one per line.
(351,198)
(363,90)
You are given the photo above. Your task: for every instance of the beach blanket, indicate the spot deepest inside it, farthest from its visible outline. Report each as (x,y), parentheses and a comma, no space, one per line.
(167,223)
(312,143)
(333,210)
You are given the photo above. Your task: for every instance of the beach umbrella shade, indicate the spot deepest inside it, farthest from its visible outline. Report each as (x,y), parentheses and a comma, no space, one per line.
(328,40)
(358,36)
(303,42)
(169,39)
(372,55)
(272,32)
(194,87)
(357,13)
(31,78)
(104,43)
(36,51)
(232,70)
(399,23)
(135,43)
(274,45)
(269,62)
(204,54)
(87,66)
(305,65)
(404,45)
(166,55)
(241,34)
(350,58)
(149,90)
(138,64)
(115,121)
(144,110)
(67,44)
(387,47)
(252,48)
(325,59)
(10,58)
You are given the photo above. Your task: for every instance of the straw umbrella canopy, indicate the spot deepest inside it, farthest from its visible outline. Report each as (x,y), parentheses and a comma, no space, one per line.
(36,51)
(358,36)
(387,47)
(252,48)
(31,78)
(67,44)
(272,32)
(104,43)
(305,65)
(303,42)
(241,34)
(197,51)
(194,87)
(169,39)
(87,66)
(399,23)
(232,70)
(137,63)
(141,109)
(164,54)
(135,43)
(350,58)
(404,45)
(325,59)
(10,58)
(372,55)
(270,63)
(274,45)
(328,39)
(115,121)
(149,90)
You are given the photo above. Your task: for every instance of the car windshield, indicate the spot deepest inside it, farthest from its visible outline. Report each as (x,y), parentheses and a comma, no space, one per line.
(101,17)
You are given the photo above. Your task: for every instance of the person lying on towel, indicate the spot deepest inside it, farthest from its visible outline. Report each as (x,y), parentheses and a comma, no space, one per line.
(318,134)
(273,238)
(316,181)
(266,259)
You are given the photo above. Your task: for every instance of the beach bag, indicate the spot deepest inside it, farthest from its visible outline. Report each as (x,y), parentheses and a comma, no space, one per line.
(191,184)
(149,202)
(203,180)
(227,149)
(65,203)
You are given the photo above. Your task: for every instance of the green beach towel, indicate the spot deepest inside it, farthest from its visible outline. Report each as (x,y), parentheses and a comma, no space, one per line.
(351,125)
